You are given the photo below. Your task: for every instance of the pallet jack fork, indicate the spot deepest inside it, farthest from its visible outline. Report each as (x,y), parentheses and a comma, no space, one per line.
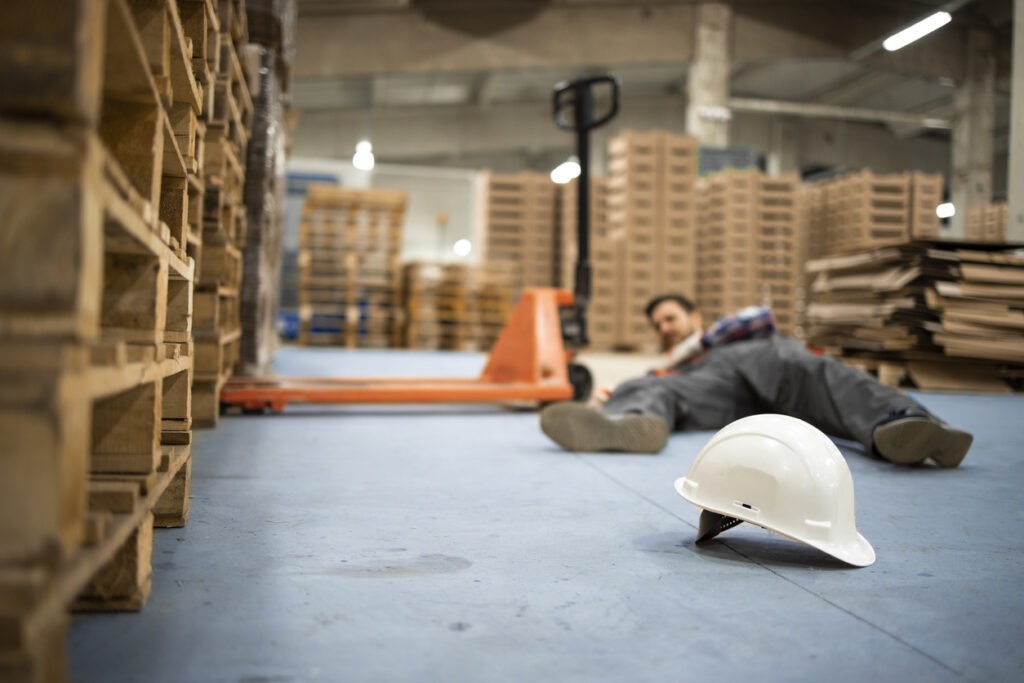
(532,359)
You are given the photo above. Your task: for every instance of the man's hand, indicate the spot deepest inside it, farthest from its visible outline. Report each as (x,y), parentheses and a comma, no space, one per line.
(684,350)
(598,397)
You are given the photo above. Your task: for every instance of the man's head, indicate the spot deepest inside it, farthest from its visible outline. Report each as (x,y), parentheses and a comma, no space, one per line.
(674,318)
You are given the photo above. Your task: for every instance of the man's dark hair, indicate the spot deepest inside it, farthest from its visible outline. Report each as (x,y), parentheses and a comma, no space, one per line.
(686,303)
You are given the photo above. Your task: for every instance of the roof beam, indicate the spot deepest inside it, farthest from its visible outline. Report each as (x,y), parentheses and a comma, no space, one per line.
(856,87)
(828,111)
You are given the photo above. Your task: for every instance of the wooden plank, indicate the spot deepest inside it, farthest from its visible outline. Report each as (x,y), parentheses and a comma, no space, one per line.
(184,86)
(152,24)
(174,210)
(127,76)
(51,263)
(135,297)
(124,583)
(205,402)
(44,416)
(115,497)
(126,430)
(133,132)
(51,58)
(97,526)
(172,509)
(178,314)
(177,400)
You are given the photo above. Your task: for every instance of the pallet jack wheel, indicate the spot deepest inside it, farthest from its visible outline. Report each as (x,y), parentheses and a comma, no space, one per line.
(581,380)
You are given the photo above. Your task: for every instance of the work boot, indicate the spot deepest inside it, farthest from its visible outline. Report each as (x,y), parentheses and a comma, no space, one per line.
(575,427)
(910,438)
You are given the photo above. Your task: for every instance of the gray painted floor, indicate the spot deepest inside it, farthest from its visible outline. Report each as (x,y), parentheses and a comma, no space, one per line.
(459,544)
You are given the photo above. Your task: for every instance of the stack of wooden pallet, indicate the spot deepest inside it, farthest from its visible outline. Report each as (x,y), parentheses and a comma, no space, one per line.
(814,220)
(495,295)
(349,266)
(947,315)
(457,309)
(453,306)
(652,219)
(650,209)
(750,245)
(420,326)
(863,210)
(519,227)
(98,145)
(987,223)
(227,124)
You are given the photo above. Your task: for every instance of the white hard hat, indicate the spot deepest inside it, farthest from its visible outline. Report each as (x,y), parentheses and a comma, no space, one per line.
(781,474)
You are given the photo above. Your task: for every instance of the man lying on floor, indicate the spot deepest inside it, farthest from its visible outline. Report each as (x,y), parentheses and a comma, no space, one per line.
(738,367)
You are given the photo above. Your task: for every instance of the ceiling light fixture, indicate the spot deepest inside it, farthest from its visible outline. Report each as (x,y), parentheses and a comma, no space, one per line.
(363,158)
(566,171)
(945,210)
(916,31)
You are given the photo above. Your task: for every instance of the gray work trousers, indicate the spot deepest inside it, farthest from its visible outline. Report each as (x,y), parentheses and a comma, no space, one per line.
(775,375)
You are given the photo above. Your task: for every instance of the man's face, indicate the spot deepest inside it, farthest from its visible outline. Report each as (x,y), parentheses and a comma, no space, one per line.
(673,324)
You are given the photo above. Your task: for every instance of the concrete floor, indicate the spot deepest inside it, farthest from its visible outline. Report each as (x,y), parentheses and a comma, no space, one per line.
(458,544)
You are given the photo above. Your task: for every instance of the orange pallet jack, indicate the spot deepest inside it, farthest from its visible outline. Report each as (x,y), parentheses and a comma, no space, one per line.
(533,358)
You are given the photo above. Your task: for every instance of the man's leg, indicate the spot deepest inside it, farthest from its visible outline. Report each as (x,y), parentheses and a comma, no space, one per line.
(845,402)
(640,413)
(640,424)
(707,395)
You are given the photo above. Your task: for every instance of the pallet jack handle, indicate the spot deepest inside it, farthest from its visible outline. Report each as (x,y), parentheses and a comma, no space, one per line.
(579,96)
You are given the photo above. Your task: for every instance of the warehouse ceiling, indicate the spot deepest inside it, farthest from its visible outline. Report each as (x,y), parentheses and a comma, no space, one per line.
(468,82)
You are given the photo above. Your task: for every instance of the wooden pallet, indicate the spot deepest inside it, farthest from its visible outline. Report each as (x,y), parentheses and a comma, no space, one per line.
(520,221)
(100,188)
(349,268)
(103,242)
(987,223)
(111,571)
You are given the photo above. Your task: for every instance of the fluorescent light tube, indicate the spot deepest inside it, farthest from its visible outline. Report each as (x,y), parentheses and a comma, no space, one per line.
(918,30)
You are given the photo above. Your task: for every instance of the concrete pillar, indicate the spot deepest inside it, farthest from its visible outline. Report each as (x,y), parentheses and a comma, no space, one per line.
(784,152)
(707,109)
(971,184)
(1015,173)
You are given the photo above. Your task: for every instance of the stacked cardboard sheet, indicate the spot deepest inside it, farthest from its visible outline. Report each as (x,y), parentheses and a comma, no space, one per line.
(981,314)
(956,304)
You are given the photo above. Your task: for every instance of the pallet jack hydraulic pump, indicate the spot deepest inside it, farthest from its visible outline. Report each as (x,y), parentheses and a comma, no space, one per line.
(533,358)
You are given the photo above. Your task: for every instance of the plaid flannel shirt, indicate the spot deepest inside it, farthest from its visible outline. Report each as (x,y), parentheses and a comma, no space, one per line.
(753,322)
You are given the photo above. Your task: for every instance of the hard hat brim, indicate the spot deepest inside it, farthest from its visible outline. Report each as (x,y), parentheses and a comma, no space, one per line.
(858,552)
